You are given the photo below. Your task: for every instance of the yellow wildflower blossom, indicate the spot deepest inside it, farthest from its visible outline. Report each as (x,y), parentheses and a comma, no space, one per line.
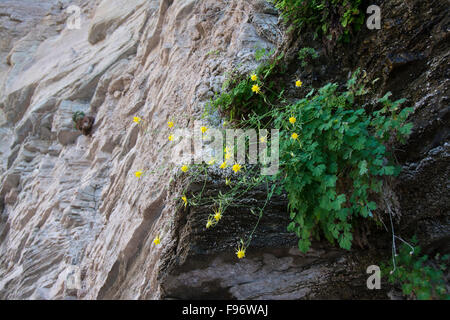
(298,83)
(204,129)
(292,120)
(254,77)
(157,241)
(185,200)
(294,136)
(256,88)
(171,137)
(236,168)
(137,119)
(184,168)
(262,139)
(223,165)
(170,124)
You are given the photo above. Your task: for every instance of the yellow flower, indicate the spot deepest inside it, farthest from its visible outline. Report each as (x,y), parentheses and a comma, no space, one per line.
(256,88)
(212,161)
(236,168)
(170,124)
(204,129)
(171,137)
(254,77)
(292,120)
(138,174)
(240,252)
(217,215)
(185,200)
(137,119)
(223,165)
(184,168)
(157,240)
(262,139)
(298,83)
(294,136)
(209,223)
(227,156)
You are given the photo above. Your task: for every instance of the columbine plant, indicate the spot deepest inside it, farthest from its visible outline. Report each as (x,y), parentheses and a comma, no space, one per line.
(332,155)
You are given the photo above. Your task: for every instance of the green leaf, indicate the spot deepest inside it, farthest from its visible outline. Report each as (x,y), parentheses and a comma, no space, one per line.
(304,245)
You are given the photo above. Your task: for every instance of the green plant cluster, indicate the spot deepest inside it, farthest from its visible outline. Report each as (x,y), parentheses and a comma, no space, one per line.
(419,276)
(77,115)
(334,166)
(238,99)
(318,15)
(307,54)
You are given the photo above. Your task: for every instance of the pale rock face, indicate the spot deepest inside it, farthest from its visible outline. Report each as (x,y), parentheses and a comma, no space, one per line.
(74,217)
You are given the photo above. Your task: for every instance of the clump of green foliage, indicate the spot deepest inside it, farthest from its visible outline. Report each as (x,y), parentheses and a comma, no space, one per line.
(238,99)
(307,54)
(419,276)
(336,161)
(319,15)
(77,115)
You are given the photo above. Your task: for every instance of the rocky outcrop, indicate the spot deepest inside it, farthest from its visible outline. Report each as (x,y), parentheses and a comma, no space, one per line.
(75,221)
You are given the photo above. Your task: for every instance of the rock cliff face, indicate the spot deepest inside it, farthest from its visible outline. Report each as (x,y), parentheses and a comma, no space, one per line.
(75,221)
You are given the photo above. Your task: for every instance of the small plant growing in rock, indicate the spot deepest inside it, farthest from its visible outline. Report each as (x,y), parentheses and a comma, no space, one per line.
(77,116)
(332,153)
(419,276)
